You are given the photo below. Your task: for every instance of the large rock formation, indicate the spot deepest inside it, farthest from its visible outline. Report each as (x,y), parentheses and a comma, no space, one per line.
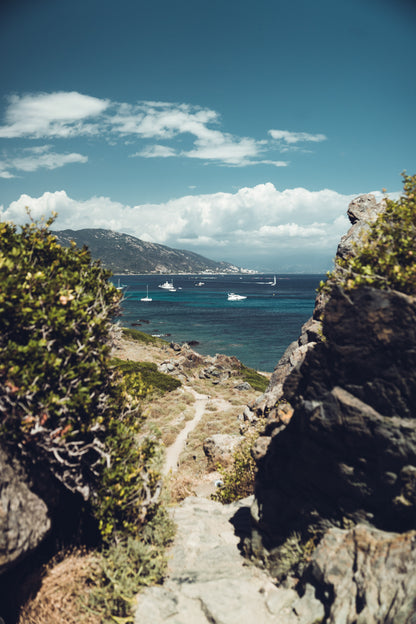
(342,471)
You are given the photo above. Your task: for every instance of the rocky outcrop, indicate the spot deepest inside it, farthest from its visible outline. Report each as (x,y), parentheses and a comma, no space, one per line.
(366,576)
(349,452)
(335,498)
(186,364)
(24,517)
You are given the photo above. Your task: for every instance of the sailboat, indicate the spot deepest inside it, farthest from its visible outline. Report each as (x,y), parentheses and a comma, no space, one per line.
(147,298)
(120,286)
(273,283)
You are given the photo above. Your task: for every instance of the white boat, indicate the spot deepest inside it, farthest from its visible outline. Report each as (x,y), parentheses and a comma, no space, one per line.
(199,283)
(235,297)
(168,286)
(147,298)
(120,286)
(273,283)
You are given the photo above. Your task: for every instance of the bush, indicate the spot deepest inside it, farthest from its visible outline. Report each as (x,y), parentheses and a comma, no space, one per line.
(386,257)
(256,380)
(62,403)
(143,377)
(239,478)
(135,334)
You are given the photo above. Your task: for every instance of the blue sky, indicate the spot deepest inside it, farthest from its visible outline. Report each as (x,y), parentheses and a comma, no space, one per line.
(238,129)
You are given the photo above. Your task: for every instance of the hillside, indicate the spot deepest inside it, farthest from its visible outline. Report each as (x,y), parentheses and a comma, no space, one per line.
(122,253)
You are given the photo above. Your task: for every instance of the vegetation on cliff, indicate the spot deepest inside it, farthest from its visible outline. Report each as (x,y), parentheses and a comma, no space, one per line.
(386,257)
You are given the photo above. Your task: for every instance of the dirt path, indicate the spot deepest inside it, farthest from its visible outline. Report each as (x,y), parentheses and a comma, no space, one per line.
(174,450)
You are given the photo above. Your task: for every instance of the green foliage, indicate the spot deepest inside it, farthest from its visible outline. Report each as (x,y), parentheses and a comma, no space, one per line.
(143,378)
(57,386)
(386,258)
(238,480)
(62,402)
(122,569)
(135,334)
(256,380)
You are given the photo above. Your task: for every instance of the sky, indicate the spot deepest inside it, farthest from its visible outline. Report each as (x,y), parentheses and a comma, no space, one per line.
(237,129)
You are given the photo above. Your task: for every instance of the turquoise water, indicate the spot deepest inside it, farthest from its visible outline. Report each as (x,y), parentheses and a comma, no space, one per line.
(256,330)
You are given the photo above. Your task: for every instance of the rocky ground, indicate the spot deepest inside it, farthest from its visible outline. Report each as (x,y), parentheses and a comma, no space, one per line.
(208,408)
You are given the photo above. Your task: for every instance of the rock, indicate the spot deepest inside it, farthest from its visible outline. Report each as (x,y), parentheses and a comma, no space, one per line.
(209,582)
(367,575)
(219,448)
(343,469)
(348,453)
(24,518)
(361,212)
(244,385)
(260,447)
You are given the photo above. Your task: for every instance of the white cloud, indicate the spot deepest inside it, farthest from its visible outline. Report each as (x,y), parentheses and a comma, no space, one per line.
(156,151)
(195,130)
(296,137)
(59,114)
(32,159)
(254,222)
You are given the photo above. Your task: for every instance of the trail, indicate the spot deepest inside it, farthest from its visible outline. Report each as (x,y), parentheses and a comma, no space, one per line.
(174,450)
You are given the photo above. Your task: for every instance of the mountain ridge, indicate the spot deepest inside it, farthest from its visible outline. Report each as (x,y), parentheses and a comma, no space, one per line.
(124,253)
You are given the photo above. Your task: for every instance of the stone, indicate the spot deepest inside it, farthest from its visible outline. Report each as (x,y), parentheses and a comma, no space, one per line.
(219,448)
(243,386)
(24,517)
(209,582)
(367,575)
(362,211)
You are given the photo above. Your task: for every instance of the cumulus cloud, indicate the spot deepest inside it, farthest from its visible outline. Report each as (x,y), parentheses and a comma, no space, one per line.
(59,114)
(254,224)
(32,159)
(65,115)
(296,137)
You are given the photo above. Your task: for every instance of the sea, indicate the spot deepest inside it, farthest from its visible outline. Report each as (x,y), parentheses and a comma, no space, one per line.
(257,329)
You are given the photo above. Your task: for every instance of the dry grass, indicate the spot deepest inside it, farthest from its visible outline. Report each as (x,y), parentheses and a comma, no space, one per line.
(182,484)
(63,591)
(169,413)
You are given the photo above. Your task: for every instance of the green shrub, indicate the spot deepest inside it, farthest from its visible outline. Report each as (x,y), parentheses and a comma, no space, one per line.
(143,378)
(62,403)
(124,568)
(135,334)
(238,479)
(256,380)
(386,257)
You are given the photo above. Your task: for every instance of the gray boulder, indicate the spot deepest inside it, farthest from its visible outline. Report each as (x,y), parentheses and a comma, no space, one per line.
(24,518)
(219,448)
(367,576)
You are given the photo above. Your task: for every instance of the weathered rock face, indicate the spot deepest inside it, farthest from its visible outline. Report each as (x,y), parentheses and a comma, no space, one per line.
(349,452)
(343,469)
(367,574)
(24,518)
(361,212)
